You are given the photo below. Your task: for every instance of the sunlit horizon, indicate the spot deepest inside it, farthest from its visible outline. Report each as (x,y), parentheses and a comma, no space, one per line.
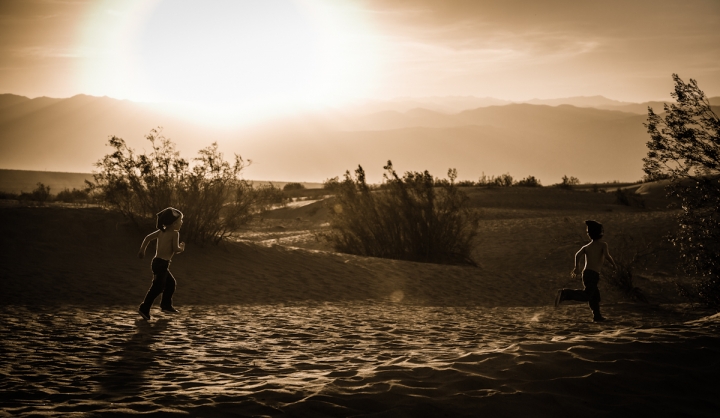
(248,60)
(306,88)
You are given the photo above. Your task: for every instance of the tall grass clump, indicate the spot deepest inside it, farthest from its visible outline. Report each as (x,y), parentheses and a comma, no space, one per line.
(208,189)
(406,218)
(503,180)
(631,255)
(568,182)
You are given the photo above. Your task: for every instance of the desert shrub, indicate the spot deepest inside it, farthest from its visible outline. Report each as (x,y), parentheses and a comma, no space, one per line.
(268,196)
(409,218)
(41,193)
(9,196)
(631,255)
(208,191)
(529,181)
(684,147)
(503,180)
(72,196)
(568,182)
(332,184)
(293,186)
(465,183)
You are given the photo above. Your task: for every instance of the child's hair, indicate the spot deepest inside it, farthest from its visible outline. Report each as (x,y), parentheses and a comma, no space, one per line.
(167,217)
(595,229)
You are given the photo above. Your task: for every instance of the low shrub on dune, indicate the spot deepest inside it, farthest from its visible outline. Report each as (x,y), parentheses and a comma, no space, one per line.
(406,218)
(208,189)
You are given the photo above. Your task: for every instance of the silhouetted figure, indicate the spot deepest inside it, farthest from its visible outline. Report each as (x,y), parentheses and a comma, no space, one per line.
(595,253)
(168,224)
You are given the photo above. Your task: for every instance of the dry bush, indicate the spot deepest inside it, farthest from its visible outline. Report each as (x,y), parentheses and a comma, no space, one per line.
(568,182)
(72,196)
(214,200)
(408,218)
(293,186)
(503,180)
(631,255)
(529,181)
(684,147)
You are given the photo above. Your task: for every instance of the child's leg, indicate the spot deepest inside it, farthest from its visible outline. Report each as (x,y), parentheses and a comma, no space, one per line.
(575,294)
(590,281)
(160,272)
(168,290)
(595,307)
(589,292)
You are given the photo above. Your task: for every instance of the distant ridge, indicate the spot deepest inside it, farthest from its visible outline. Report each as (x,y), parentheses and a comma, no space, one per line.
(17,181)
(593,144)
(579,101)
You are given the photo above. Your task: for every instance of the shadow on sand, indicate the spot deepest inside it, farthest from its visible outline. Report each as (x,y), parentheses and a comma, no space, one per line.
(126,367)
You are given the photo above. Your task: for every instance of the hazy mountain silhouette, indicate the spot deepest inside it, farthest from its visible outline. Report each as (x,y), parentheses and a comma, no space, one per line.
(579,101)
(523,139)
(447,104)
(70,134)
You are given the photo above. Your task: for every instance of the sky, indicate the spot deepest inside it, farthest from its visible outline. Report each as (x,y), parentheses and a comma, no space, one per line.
(252,56)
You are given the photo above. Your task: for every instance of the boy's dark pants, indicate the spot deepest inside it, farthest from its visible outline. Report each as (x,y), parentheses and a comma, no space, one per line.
(163,282)
(590,293)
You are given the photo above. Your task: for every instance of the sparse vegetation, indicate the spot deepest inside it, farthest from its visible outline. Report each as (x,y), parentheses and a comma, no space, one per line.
(41,193)
(210,193)
(529,181)
(72,196)
(684,147)
(332,184)
(409,218)
(503,180)
(293,186)
(631,254)
(568,182)
(465,183)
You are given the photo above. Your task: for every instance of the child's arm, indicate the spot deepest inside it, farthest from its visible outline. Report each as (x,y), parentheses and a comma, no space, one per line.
(178,246)
(609,257)
(578,259)
(146,242)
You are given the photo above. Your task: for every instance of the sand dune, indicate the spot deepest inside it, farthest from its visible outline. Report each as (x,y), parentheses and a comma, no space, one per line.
(356,359)
(276,330)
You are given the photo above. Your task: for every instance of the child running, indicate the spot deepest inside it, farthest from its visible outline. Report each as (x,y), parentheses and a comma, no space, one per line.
(595,253)
(168,224)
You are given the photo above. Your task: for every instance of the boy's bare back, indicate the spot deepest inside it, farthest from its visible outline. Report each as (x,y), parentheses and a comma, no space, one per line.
(168,243)
(595,253)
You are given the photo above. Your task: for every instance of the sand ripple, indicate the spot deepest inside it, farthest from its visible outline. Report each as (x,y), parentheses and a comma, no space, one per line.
(357,359)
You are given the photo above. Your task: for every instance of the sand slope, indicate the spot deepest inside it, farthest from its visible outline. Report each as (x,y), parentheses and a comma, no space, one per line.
(269,330)
(355,359)
(53,255)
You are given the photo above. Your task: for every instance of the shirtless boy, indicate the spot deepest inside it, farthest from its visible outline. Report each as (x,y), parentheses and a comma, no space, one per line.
(595,253)
(168,224)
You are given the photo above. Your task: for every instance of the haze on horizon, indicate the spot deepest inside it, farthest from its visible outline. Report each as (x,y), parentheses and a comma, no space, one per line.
(254,56)
(239,66)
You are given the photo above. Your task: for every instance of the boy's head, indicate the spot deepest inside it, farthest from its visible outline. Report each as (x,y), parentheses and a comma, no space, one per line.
(595,229)
(167,217)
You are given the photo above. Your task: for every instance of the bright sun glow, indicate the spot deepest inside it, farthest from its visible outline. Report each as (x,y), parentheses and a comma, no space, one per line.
(238,59)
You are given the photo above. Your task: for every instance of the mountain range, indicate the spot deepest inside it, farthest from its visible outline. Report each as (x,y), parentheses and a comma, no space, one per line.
(592,138)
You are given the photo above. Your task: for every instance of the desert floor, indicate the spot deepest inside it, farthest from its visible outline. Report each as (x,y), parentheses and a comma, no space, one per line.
(274,323)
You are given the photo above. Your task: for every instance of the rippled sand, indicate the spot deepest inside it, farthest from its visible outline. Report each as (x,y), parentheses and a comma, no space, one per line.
(358,359)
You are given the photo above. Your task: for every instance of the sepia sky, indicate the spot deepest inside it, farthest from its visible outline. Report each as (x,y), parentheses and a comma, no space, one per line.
(251,55)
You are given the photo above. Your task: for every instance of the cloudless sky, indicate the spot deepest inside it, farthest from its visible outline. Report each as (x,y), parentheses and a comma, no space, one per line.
(251,55)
